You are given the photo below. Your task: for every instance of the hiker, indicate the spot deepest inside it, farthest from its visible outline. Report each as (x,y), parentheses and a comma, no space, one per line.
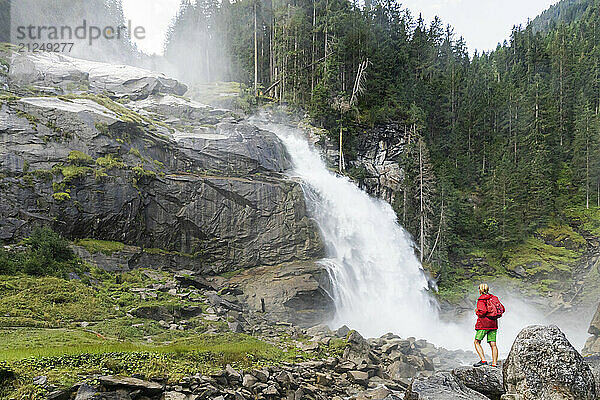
(488,310)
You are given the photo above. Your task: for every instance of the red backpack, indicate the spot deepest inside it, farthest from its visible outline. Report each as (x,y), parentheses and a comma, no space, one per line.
(495,309)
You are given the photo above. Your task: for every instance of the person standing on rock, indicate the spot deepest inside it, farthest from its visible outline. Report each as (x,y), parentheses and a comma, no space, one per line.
(488,310)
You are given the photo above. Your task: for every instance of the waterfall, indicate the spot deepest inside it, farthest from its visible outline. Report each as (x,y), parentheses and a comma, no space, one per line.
(378,283)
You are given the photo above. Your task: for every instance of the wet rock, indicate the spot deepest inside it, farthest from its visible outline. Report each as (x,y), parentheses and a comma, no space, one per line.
(40,380)
(440,386)
(592,345)
(58,395)
(542,364)
(486,380)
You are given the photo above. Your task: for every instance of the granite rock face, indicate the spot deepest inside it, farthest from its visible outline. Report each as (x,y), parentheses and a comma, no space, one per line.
(592,346)
(151,170)
(542,364)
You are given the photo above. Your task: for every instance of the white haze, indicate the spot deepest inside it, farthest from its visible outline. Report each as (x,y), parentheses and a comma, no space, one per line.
(378,283)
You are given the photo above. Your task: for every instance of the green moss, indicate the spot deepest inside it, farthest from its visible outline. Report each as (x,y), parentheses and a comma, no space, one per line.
(79,158)
(539,259)
(103,128)
(140,173)
(33,121)
(109,162)
(231,274)
(61,196)
(135,152)
(44,174)
(100,246)
(73,172)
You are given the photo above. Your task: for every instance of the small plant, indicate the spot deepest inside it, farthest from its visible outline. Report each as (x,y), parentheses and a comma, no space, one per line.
(79,158)
(61,196)
(109,162)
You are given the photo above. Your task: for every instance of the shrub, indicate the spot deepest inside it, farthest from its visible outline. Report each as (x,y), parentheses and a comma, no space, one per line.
(109,162)
(79,158)
(61,196)
(46,253)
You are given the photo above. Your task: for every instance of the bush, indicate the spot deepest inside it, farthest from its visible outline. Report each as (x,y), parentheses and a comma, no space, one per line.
(79,158)
(46,253)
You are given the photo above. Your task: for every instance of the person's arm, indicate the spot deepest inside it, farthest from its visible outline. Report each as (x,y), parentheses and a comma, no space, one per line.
(481,310)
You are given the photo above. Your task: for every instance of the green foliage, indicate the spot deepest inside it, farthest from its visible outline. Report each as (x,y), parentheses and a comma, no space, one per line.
(538,259)
(47,302)
(61,196)
(45,253)
(73,172)
(100,246)
(79,158)
(109,162)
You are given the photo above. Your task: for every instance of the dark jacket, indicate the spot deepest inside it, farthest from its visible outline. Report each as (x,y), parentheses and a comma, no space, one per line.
(484,322)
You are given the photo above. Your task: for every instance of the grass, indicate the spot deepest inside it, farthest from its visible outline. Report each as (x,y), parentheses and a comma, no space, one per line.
(48,302)
(100,246)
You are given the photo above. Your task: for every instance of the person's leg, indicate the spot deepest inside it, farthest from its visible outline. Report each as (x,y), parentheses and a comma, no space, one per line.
(479,350)
(492,341)
(494,353)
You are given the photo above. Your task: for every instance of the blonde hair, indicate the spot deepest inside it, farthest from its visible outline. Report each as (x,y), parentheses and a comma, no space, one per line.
(484,288)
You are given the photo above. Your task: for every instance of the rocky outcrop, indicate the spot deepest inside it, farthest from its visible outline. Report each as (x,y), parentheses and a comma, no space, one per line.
(440,386)
(592,345)
(486,380)
(152,170)
(297,292)
(60,74)
(542,364)
(378,151)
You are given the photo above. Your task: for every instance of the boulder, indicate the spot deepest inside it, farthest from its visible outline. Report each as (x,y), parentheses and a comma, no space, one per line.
(542,364)
(131,384)
(486,380)
(594,363)
(440,386)
(358,349)
(157,313)
(293,292)
(592,345)
(86,392)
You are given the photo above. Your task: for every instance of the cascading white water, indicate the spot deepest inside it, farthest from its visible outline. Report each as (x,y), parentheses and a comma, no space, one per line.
(378,284)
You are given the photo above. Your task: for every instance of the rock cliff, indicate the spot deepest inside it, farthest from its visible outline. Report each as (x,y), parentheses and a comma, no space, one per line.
(113,153)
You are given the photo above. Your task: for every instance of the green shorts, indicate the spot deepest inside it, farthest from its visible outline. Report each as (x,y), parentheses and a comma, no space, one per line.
(491,334)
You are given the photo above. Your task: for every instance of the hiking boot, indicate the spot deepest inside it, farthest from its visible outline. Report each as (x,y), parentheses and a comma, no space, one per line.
(480,363)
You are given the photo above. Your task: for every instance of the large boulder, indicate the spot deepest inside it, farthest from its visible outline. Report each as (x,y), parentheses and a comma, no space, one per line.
(440,386)
(592,345)
(542,364)
(594,363)
(293,292)
(486,380)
